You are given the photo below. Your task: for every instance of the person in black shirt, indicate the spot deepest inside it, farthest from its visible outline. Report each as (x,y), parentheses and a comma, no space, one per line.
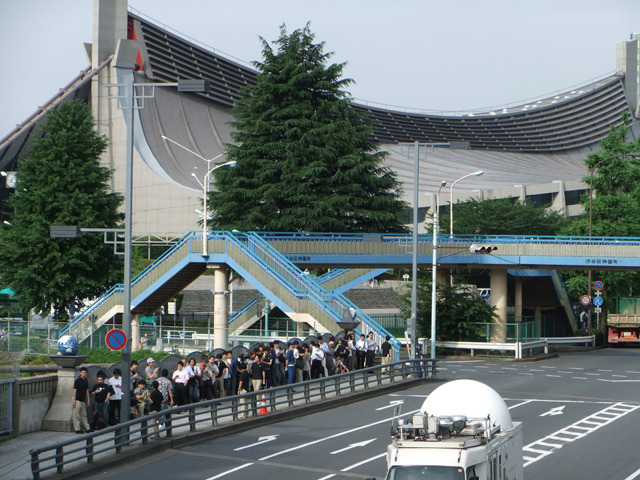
(101,392)
(386,351)
(156,398)
(81,402)
(244,380)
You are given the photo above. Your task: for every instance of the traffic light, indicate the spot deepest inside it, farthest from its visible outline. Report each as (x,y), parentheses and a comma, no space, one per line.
(475,248)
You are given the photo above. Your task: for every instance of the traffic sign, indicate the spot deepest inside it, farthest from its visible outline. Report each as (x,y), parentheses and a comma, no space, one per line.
(585,300)
(115,339)
(598,301)
(597,310)
(598,285)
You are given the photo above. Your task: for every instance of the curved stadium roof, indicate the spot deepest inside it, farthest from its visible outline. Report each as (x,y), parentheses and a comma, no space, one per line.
(574,120)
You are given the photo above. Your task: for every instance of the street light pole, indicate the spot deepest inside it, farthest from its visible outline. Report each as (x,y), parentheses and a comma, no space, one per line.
(434,266)
(414,270)
(204,184)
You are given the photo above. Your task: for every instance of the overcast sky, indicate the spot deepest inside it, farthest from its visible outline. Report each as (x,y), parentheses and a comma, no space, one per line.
(433,55)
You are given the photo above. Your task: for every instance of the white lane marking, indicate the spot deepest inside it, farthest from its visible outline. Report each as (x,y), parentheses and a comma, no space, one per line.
(526,373)
(520,404)
(328,476)
(371,459)
(353,445)
(220,475)
(633,475)
(545,366)
(568,434)
(601,370)
(260,441)
(336,435)
(553,411)
(631,371)
(554,376)
(620,376)
(593,374)
(580,378)
(617,381)
(575,368)
(392,404)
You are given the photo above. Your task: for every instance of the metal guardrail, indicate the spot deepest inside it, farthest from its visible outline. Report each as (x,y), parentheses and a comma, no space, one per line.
(6,406)
(214,413)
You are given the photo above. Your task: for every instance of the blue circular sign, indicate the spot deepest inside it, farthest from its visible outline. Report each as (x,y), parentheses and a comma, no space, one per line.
(598,301)
(115,339)
(598,285)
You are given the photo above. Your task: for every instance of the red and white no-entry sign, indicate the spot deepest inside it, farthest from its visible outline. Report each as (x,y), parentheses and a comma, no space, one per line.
(585,300)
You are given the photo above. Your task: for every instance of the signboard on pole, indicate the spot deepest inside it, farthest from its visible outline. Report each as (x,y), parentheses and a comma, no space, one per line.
(585,300)
(598,301)
(598,285)
(115,339)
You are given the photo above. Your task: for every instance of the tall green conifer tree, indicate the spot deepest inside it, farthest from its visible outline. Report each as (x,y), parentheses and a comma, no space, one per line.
(61,182)
(305,158)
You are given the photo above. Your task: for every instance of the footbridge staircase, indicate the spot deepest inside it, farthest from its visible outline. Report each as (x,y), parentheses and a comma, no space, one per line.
(299,295)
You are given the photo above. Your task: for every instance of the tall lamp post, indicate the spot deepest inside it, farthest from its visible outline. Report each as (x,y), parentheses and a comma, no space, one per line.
(130,97)
(204,184)
(416,196)
(591,170)
(434,266)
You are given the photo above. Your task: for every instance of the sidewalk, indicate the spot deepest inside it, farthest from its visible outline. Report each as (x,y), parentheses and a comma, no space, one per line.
(15,461)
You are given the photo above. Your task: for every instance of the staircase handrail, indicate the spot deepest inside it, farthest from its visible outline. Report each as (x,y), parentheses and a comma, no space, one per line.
(331,274)
(119,288)
(336,302)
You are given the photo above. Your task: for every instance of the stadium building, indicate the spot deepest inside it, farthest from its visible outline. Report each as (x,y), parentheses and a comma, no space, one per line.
(534,150)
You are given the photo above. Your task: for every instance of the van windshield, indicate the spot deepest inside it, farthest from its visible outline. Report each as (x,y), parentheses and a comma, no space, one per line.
(425,473)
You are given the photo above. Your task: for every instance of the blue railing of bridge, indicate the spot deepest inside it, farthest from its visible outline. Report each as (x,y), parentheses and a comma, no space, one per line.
(338,305)
(444,238)
(119,288)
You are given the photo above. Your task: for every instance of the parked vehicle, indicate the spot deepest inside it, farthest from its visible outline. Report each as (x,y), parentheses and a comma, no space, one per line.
(463,431)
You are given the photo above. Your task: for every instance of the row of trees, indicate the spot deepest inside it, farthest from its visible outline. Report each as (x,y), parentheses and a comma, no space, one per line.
(305,162)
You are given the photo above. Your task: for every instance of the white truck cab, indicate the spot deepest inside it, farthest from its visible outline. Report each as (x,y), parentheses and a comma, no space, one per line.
(463,431)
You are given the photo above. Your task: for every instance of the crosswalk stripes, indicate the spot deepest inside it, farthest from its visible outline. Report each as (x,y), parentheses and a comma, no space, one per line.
(547,445)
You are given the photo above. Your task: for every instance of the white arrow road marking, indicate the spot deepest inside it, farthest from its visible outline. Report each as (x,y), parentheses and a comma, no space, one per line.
(554,411)
(354,445)
(220,475)
(260,441)
(392,404)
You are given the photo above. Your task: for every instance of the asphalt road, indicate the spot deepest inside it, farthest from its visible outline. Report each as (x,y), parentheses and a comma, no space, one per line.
(581,415)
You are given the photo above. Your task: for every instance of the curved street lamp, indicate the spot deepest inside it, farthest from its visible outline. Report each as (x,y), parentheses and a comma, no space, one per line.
(204,184)
(476,174)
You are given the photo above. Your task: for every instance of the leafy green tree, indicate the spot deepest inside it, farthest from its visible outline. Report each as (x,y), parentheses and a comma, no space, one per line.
(456,311)
(503,217)
(615,210)
(305,158)
(61,183)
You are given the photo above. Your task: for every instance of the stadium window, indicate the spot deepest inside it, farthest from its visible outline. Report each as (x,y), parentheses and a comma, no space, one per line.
(541,200)
(573,197)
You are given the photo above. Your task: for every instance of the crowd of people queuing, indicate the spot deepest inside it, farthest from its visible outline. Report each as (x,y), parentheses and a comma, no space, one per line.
(219,376)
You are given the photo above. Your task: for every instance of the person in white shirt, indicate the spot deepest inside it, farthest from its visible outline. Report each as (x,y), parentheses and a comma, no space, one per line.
(317,355)
(360,352)
(370,347)
(115,400)
(351,345)
(324,346)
